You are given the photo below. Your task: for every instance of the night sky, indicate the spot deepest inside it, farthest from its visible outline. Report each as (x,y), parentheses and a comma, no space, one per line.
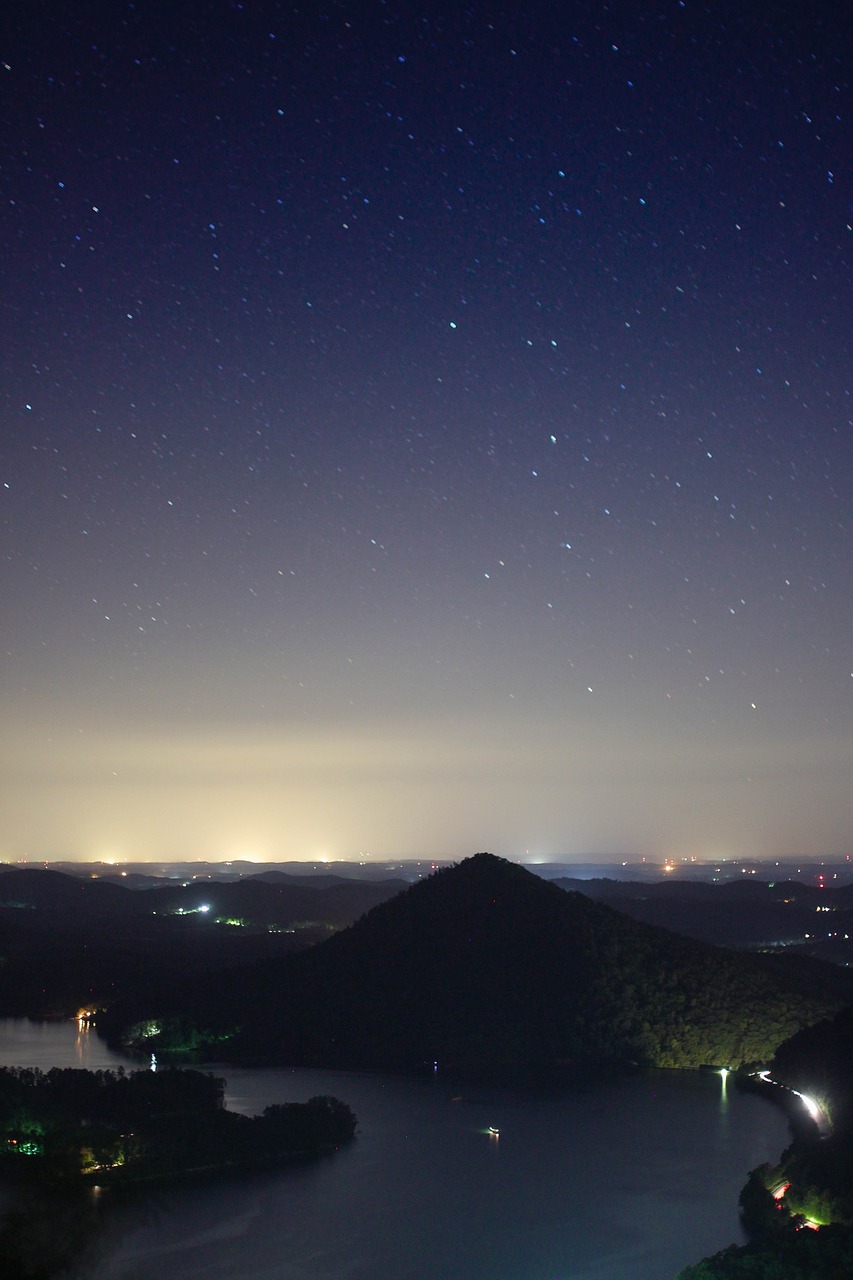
(426,428)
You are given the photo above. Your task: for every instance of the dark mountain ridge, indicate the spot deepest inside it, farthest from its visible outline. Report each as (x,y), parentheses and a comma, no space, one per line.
(745,913)
(68,942)
(485,968)
(332,900)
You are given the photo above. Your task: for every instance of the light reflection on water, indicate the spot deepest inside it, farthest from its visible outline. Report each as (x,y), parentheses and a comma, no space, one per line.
(632,1179)
(55,1044)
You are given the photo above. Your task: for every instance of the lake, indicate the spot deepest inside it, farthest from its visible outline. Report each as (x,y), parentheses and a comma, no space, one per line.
(627,1180)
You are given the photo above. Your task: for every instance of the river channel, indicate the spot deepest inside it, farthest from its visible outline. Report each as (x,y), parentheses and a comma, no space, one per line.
(627,1180)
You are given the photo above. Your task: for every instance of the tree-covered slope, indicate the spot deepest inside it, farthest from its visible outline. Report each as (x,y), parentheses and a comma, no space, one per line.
(484,966)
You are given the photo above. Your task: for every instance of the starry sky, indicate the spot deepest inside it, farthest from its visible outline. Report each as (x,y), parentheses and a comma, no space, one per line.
(426,428)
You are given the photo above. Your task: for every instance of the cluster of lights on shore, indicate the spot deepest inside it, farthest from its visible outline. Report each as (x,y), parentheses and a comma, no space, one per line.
(815,1111)
(812,1107)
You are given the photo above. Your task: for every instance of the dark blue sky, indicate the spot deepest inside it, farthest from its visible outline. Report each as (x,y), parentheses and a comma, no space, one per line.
(427,427)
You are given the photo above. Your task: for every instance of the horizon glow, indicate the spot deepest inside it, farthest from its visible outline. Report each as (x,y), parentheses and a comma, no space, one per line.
(435,446)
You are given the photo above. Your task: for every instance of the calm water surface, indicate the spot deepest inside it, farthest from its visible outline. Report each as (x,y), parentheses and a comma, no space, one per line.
(626,1181)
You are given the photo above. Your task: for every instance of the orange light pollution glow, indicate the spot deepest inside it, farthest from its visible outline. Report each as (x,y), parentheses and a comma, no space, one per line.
(438,789)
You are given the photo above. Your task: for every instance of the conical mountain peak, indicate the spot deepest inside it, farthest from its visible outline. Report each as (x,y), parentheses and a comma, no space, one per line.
(485,967)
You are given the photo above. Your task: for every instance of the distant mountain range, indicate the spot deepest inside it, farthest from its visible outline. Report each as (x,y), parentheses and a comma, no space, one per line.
(486,969)
(67,942)
(269,898)
(744,913)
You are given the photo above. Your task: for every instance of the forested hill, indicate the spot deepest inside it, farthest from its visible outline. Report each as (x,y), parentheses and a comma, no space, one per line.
(485,967)
(68,942)
(746,914)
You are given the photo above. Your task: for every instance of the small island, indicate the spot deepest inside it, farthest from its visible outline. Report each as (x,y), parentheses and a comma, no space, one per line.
(67,1134)
(106,1127)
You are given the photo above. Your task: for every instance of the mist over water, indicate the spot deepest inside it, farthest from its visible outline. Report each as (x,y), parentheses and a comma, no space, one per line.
(630,1179)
